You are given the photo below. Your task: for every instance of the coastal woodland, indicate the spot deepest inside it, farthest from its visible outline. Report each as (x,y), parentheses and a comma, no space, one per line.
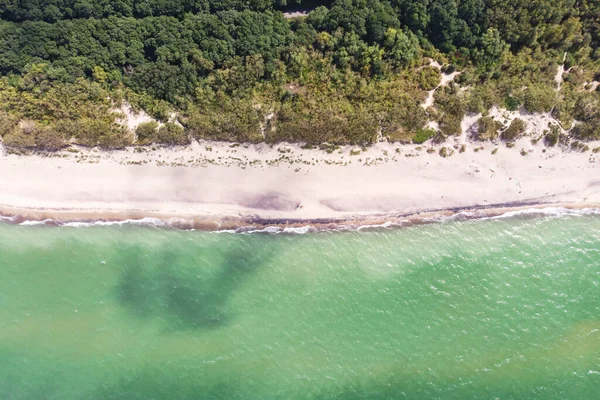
(337,72)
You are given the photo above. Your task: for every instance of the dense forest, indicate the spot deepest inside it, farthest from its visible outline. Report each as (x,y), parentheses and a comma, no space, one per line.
(343,72)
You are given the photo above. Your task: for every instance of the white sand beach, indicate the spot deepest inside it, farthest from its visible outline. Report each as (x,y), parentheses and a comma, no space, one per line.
(220,185)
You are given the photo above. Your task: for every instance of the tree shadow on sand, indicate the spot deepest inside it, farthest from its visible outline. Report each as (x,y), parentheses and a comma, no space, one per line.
(186,293)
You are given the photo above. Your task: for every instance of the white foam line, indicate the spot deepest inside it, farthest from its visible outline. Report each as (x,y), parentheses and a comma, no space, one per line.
(459,216)
(386,224)
(143,221)
(79,224)
(34,223)
(549,211)
(268,229)
(298,231)
(272,230)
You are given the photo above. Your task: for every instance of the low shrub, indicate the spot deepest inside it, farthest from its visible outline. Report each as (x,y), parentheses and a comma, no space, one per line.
(515,130)
(19,138)
(445,152)
(172,134)
(146,132)
(511,103)
(562,113)
(429,78)
(551,138)
(587,131)
(487,128)
(8,123)
(452,106)
(481,98)
(580,147)
(94,132)
(47,138)
(450,125)
(31,135)
(423,135)
(116,137)
(539,98)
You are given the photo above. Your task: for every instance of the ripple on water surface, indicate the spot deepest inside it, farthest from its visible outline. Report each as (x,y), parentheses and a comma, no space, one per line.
(504,308)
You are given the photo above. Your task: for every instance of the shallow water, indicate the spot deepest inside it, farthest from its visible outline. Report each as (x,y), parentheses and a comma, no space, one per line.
(506,308)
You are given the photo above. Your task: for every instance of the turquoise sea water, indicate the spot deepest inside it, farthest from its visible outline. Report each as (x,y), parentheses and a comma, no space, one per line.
(506,308)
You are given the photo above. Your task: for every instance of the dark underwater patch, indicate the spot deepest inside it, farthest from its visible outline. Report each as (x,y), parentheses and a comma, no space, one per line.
(164,284)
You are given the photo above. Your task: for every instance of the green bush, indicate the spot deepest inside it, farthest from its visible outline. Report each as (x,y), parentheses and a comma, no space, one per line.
(172,134)
(19,138)
(8,123)
(515,130)
(580,147)
(481,99)
(87,132)
(32,135)
(551,138)
(47,138)
(562,112)
(539,98)
(334,121)
(586,131)
(444,152)
(429,78)
(512,103)
(423,135)
(146,132)
(450,125)
(577,76)
(232,120)
(452,106)
(402,119)
(487,128)
(116,137)
(94,132)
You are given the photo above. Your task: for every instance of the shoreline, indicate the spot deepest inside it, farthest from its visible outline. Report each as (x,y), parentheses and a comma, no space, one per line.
(81,218)
(223,186)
